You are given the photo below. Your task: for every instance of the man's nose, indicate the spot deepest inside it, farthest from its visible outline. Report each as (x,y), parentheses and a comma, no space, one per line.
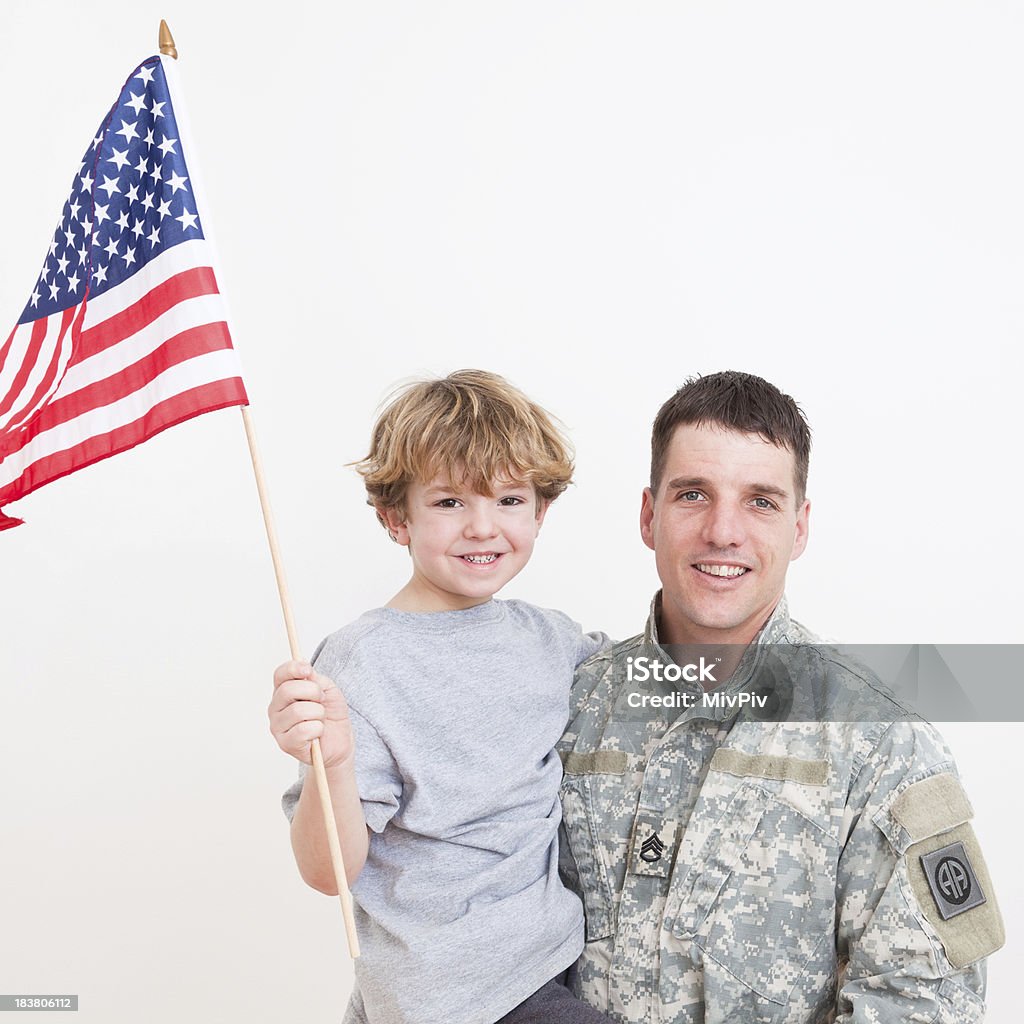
(724,526)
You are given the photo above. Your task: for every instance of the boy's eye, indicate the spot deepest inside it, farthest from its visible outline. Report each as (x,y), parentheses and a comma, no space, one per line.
(512,499)
(447,503)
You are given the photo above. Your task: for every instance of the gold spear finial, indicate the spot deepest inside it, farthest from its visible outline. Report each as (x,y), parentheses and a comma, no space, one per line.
(167,46)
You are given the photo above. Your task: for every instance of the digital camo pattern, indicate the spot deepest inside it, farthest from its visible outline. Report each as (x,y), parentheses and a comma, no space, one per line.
(713,896)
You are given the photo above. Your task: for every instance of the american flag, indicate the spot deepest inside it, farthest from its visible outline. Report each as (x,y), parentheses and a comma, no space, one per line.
(125,332)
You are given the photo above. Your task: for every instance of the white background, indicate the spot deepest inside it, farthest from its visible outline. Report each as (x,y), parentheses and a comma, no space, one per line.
(595,200)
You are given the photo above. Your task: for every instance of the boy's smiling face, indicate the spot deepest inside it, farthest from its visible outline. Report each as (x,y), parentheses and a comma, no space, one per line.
(465,546)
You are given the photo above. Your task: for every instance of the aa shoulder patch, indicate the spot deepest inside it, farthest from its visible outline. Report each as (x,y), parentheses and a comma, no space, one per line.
(952,880)
(947,872)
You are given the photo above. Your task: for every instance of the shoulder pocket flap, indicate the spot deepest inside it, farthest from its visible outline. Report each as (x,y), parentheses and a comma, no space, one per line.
(594,762)
(931,806)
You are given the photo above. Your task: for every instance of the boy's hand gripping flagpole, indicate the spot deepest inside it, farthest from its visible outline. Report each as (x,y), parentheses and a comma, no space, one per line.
(168,48)
(330,825)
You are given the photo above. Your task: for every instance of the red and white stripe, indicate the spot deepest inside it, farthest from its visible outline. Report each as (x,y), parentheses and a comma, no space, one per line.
(152,352)
(32,363)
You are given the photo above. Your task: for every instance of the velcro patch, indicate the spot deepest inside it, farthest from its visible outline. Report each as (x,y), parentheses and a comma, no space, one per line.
(770,766)
(594,762)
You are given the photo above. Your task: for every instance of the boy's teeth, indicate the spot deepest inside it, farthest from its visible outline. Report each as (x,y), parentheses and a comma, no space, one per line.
(480,559)
(722,570)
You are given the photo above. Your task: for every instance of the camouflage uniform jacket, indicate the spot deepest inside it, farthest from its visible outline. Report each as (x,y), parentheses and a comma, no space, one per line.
(741,871)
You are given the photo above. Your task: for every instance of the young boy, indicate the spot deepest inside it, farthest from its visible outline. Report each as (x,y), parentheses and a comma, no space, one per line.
(440,754)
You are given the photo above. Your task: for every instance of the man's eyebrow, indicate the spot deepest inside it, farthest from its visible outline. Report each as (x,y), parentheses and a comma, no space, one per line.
(686,483)
(770,489)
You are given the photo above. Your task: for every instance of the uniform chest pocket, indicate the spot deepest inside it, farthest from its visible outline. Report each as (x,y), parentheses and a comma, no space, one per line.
(759,898)
(596,842)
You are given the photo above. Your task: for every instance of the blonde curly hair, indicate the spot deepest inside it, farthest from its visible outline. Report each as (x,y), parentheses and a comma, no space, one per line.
(472,428)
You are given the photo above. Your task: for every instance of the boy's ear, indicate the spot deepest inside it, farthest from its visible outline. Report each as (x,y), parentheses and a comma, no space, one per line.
(394,523)
(542,510)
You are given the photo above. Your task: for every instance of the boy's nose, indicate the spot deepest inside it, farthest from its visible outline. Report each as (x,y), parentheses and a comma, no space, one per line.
(481,524)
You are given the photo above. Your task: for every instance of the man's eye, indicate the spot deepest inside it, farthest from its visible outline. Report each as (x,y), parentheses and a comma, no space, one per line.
(763,503)
(690,496)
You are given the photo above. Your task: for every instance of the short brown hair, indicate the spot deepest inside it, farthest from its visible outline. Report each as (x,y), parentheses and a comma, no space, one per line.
(472,427)
(736,401)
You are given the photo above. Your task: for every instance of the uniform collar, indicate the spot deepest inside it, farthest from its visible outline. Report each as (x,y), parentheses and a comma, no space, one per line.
(775,629)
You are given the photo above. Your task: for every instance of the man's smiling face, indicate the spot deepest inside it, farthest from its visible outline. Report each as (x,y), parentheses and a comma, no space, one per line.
(724,526)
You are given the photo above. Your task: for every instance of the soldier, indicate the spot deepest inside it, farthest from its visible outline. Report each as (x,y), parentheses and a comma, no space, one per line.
(739,869)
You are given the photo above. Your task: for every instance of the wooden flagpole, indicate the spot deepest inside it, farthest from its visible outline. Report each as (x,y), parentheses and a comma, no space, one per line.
(168,48)
(320,774)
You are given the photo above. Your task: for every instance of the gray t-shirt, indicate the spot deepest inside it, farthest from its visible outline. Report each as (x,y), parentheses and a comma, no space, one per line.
(459,909)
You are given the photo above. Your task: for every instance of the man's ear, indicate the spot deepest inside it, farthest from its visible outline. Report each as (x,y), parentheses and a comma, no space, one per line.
(647,517)
(802,530)
(394,522)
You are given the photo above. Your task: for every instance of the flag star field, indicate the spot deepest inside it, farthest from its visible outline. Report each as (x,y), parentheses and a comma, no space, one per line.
(125,332)
(139,182)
